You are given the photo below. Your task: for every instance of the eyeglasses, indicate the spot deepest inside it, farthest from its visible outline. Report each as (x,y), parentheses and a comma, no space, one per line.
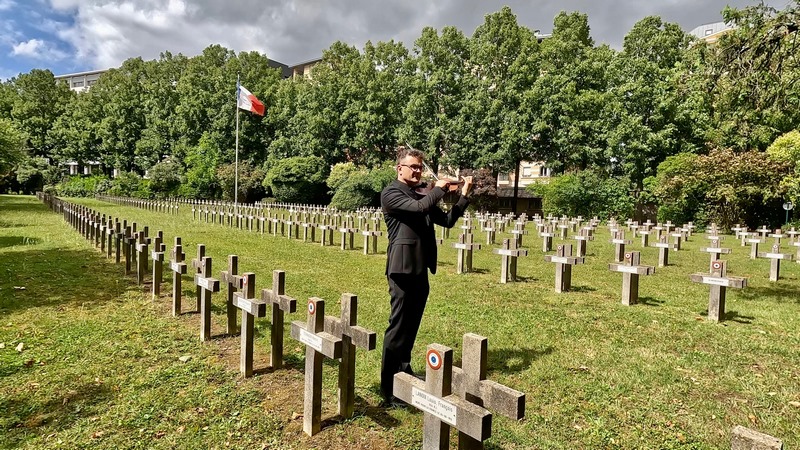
(413,167)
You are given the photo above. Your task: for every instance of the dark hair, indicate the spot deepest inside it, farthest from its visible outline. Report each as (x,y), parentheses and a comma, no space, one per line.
(403,151)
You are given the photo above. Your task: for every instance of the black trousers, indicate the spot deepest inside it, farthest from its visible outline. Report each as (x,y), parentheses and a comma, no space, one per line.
(409,294)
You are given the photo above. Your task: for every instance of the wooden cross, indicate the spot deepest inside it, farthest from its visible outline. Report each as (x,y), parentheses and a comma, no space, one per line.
(465,247)
(518,231)
(251,307)
(292,228)
(326,234)
(754,242)
(564,262)
(232,281)
(508,261)
(197,265)
(110,237)
(719,282)
(490,234)
(348,231)
(127,242)
(775,265)
(792,235)
(281,303)
(207,286)
(678,236)
(619,242)
(777,235)
(663,250)
(586,235)
(631,270)
(371,237)
(715,250)
(352,336)
(319,344)
(547,239)
(158,262)
(562,231)
(178,268)
(690,228)
(309,231)
(470,383)
(442,408)
(142,248)
(763,231)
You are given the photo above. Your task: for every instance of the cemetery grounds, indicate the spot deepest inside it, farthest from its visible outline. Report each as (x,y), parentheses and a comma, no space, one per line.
(89,360)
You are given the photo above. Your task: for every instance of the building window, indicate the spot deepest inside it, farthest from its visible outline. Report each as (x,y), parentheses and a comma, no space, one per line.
(502,177)
(77,84)
(709,31)
(91,82)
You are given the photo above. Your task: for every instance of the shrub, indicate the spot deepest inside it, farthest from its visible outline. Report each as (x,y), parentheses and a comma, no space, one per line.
(81,186)
(586,193)
(300,179)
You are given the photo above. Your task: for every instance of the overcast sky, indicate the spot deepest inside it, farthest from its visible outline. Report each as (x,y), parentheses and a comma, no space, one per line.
(68,36)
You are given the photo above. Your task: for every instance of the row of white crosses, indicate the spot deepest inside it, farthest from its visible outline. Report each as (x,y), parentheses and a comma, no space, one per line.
(311,221)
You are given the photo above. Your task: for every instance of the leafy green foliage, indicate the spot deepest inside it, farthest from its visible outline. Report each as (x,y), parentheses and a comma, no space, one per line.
(201,165)
(11,145)
(81,186)
(298,180)
(251,188)
(722,187)
(165,178)
(356,187)
(587,193)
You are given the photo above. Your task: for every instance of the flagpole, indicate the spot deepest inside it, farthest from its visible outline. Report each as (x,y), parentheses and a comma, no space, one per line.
(236,169)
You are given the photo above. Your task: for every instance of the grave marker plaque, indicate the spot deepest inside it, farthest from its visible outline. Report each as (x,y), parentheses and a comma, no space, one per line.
(442,408)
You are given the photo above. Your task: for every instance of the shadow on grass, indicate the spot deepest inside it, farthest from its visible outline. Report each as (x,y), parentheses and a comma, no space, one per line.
(776,291)
(4,224)
(651,301)
(58,277)
(511,360)
(24,414)
(582,289)
(10,241)
(732,316)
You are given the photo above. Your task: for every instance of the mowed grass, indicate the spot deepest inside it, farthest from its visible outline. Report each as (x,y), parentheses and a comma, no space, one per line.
(100,366)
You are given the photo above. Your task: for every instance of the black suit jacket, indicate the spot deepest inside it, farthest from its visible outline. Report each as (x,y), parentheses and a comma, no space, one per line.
(409,222)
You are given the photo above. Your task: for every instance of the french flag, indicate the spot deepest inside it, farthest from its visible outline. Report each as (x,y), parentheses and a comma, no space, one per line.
(248,102)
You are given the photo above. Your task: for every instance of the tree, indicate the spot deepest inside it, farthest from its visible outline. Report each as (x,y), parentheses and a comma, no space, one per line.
(11,145)
(646,130)
(437,92)
(40,101)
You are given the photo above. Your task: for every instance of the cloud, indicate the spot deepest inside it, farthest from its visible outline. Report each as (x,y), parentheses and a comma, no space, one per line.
(107,32)
(37,49)
(6,5)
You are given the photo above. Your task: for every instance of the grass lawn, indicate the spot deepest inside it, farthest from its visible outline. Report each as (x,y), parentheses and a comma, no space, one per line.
(89,360)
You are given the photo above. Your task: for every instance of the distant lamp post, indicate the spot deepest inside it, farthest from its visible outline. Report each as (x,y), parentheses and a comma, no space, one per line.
(788,206)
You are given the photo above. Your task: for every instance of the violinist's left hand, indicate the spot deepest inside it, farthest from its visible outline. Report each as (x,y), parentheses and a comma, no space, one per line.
(467,188)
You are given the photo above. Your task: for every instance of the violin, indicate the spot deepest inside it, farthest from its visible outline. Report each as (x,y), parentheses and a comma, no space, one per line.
(425,187)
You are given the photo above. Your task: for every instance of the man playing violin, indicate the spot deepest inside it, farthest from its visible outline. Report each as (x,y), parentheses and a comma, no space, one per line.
(410,214)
